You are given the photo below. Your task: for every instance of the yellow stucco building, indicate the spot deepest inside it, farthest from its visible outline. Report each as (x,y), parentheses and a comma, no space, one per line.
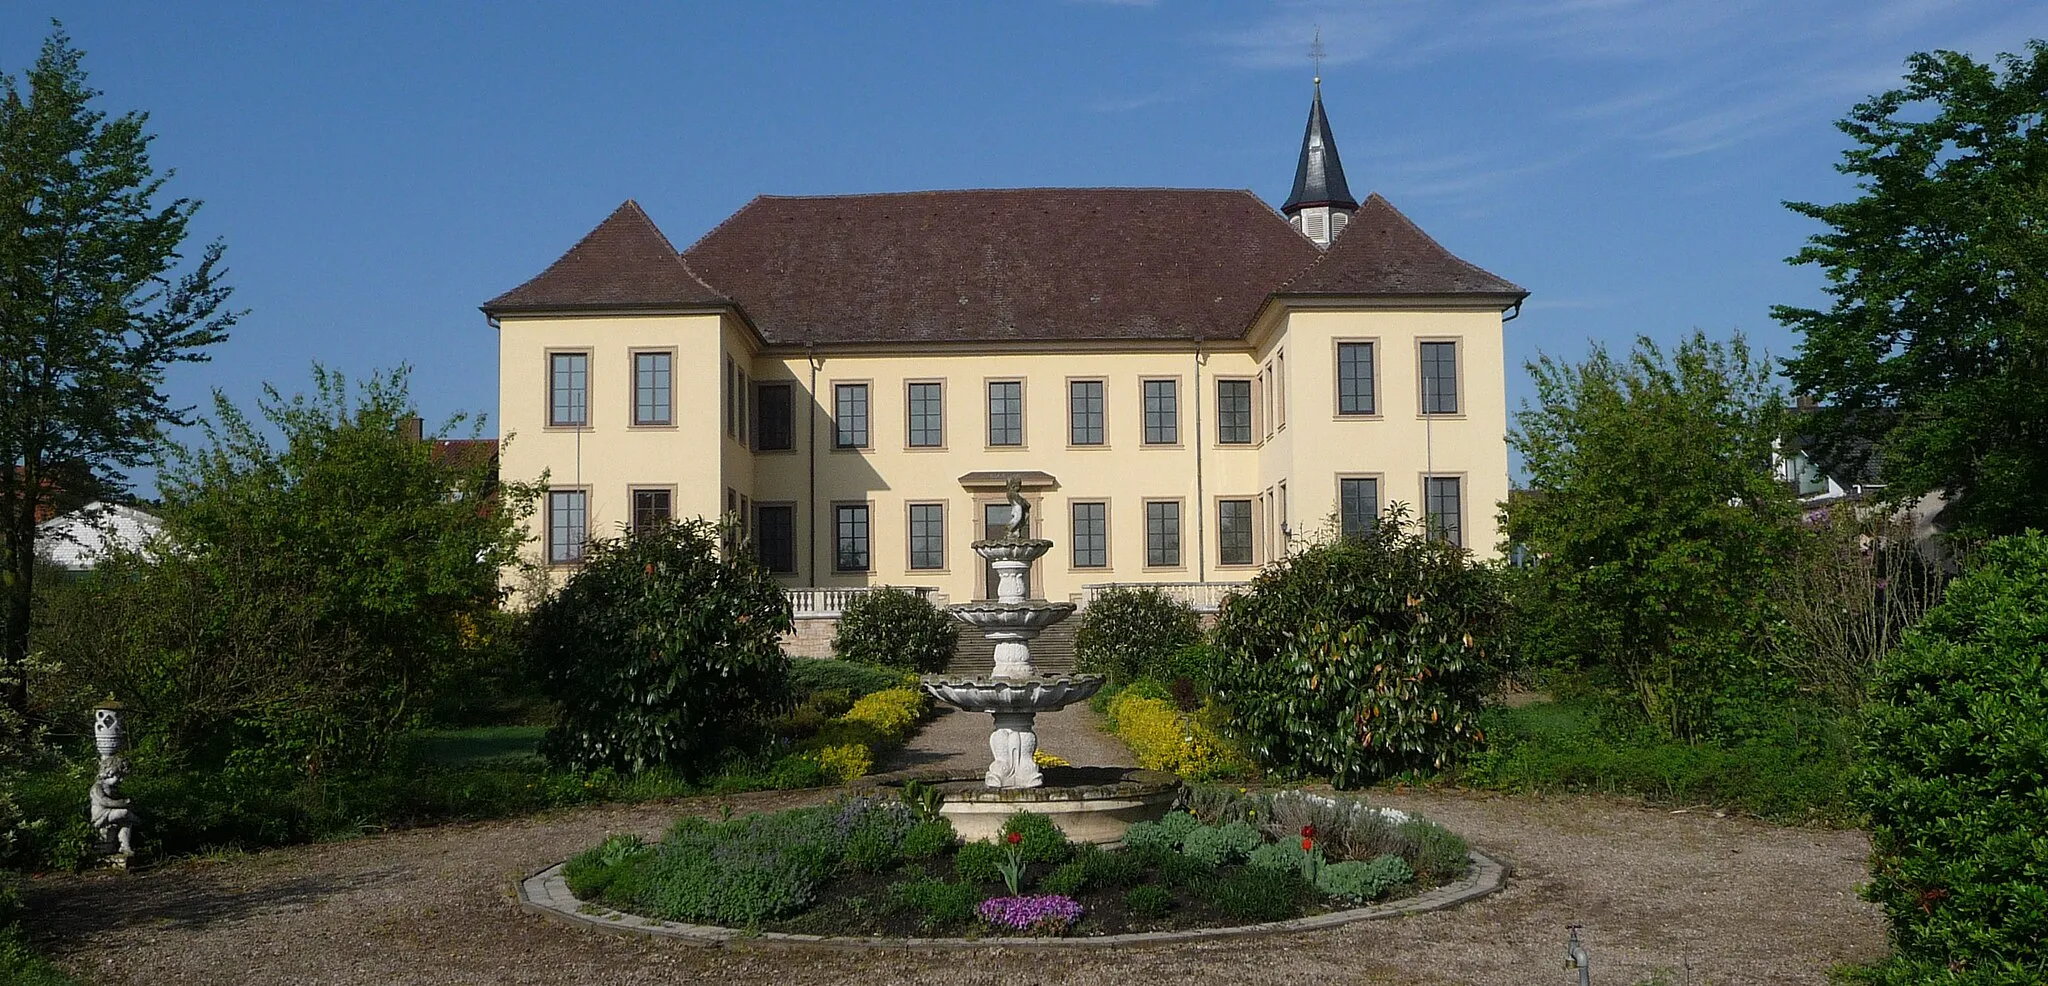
(1184,380)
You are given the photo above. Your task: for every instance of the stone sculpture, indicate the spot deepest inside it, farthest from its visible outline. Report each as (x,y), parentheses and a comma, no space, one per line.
(112,817)
(1019,526)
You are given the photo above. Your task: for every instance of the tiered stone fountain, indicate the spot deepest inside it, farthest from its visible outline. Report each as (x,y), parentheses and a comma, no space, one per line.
(1091,804)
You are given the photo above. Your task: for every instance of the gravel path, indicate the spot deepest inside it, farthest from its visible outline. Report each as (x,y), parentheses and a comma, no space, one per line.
(1698,898)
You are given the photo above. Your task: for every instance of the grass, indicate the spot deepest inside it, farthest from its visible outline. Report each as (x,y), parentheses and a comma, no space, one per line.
(21,966)
(1795,772)
(463,747)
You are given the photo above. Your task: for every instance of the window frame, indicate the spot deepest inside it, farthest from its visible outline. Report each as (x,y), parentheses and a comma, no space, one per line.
(759,541)
(1251,534)
(1464,487)
(1380,502)
(868,507)
(988,422)
(633,418)
(548,386)
(1074,539)
(1377,383)
(789,388)
(1251,412)
(910,415)
(1180,551)
(910,538)
(549,543)
(1102,425)
(633,492)
(1144,423)
(867,420)
(1457,345)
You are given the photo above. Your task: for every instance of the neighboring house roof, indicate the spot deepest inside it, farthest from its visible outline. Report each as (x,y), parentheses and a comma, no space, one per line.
(465,453)
(78,540)
(624,263)
(1382,252)
(1319,175)
(998,265)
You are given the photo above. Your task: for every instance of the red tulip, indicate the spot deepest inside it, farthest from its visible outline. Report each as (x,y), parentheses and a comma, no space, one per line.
(1308,831)
(1307,844)
(1015,837)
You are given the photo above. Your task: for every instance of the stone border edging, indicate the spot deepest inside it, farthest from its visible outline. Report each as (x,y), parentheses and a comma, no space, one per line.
(547,893)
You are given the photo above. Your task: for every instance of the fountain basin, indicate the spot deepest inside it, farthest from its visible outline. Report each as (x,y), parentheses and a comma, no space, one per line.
(1012,549)
(1033,615)
(997,694)
(1089,804)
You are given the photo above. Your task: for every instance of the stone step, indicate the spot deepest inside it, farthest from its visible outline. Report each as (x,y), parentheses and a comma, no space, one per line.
(1051,653)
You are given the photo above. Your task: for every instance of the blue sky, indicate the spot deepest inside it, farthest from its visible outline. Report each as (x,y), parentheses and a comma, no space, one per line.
(377,169)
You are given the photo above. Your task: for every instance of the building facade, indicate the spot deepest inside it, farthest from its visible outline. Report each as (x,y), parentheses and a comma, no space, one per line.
(1182,380)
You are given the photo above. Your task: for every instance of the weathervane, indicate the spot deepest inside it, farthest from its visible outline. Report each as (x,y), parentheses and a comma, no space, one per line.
(1315,53)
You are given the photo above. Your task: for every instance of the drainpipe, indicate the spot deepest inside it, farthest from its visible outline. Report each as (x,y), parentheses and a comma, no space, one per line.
(1201,502)
(811,434)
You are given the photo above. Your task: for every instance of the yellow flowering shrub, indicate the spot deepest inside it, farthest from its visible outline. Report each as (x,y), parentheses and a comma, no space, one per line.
(845,762)
(1164,738)
(1044,759)
(892,713)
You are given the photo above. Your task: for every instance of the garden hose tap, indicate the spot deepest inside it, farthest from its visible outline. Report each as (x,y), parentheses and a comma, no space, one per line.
(1575,957)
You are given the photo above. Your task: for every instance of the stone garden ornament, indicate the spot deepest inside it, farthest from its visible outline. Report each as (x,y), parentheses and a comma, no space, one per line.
(113,818)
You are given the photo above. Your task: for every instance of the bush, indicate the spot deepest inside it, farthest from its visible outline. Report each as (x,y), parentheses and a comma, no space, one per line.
(1131,633)
(1216,846)
(1955,770)
(1358,881)
(927,839)
(809,676)
(1164,738)
(1260,894)
(1277,856)
(1066,879)
(1108,869)
(979,862)
(895,628)
(1150,835)
(1043,842)
(660,652)
(1149,901)
(1362,658)
(893,713)
(939,901)
(1439,854)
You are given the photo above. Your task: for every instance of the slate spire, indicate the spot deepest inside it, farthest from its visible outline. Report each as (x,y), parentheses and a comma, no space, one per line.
(1320,193)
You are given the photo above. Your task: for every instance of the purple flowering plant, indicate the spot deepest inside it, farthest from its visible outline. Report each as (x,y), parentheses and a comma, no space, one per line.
(1050,913)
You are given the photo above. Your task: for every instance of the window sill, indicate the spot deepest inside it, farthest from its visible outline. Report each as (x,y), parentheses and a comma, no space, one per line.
(853,449)
(653,426)
(1460,416)
(569,428)
(925,448)
(1374,416)
(1163,446)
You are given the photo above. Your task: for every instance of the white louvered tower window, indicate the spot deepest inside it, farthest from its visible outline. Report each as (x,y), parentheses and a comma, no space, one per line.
(1337,221)
(1312,225)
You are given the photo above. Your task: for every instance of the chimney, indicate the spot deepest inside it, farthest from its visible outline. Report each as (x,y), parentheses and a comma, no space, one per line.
(412,427)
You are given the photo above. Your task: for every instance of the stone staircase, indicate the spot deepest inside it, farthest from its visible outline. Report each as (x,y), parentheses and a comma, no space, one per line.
(1051,653)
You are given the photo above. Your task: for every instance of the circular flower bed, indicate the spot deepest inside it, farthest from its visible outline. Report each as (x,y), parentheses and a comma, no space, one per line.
(885,867)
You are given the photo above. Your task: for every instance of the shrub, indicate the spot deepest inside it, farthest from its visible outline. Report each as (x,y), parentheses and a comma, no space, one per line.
(1257,893)
(892,713)
(1130,633)
(1043,842)
(1109,869)
(1216,846)
(1149,901)
(1361,658)
(795,772)
(979,862)
(1359,881)
(1149,835)
(894,628)
(1439,854)
(928,838)
(1165,738)
(591,872)
(661,652)
(1277,856)
(845,762)
(1955,769)
(810,676)
(939,901)
(1067,879)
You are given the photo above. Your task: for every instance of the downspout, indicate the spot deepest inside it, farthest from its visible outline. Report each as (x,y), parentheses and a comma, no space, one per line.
(811,440)
(1201,502)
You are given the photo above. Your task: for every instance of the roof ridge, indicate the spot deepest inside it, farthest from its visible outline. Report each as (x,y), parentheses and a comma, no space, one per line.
(671,244)
(977,191)
(1419,231)
(684,253)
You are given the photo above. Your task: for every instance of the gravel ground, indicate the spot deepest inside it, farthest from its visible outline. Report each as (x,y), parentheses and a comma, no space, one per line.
(1697,898)
(957,741)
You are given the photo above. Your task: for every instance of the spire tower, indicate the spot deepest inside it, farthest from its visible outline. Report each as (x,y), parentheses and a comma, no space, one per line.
(1320,204)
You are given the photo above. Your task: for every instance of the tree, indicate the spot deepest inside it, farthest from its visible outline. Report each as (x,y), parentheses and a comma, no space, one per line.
(324,574)
(91,312)
(1656,515)
(1933,353)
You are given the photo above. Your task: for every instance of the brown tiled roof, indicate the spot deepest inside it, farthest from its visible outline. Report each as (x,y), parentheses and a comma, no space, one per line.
(465,453)
(1001,265)
(1382,253)
(624,263)
(998,265)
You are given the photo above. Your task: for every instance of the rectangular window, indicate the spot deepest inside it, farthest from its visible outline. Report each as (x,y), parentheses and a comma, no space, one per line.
(1439,378)
(775,545)
(1358,506)
(1234,532)
(1162,412)
(1355,379)
(927,535)
(652,507)
(1162,534)
(568,526)
(1006,412)
(652,389)
(1084,412)
(731,392)
(746,411)
(1280,389)
(1091,535)
(1233,412)
(775,405)
(568,390)
(850,413)
(1443,502)
(850,537)
(927,416)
